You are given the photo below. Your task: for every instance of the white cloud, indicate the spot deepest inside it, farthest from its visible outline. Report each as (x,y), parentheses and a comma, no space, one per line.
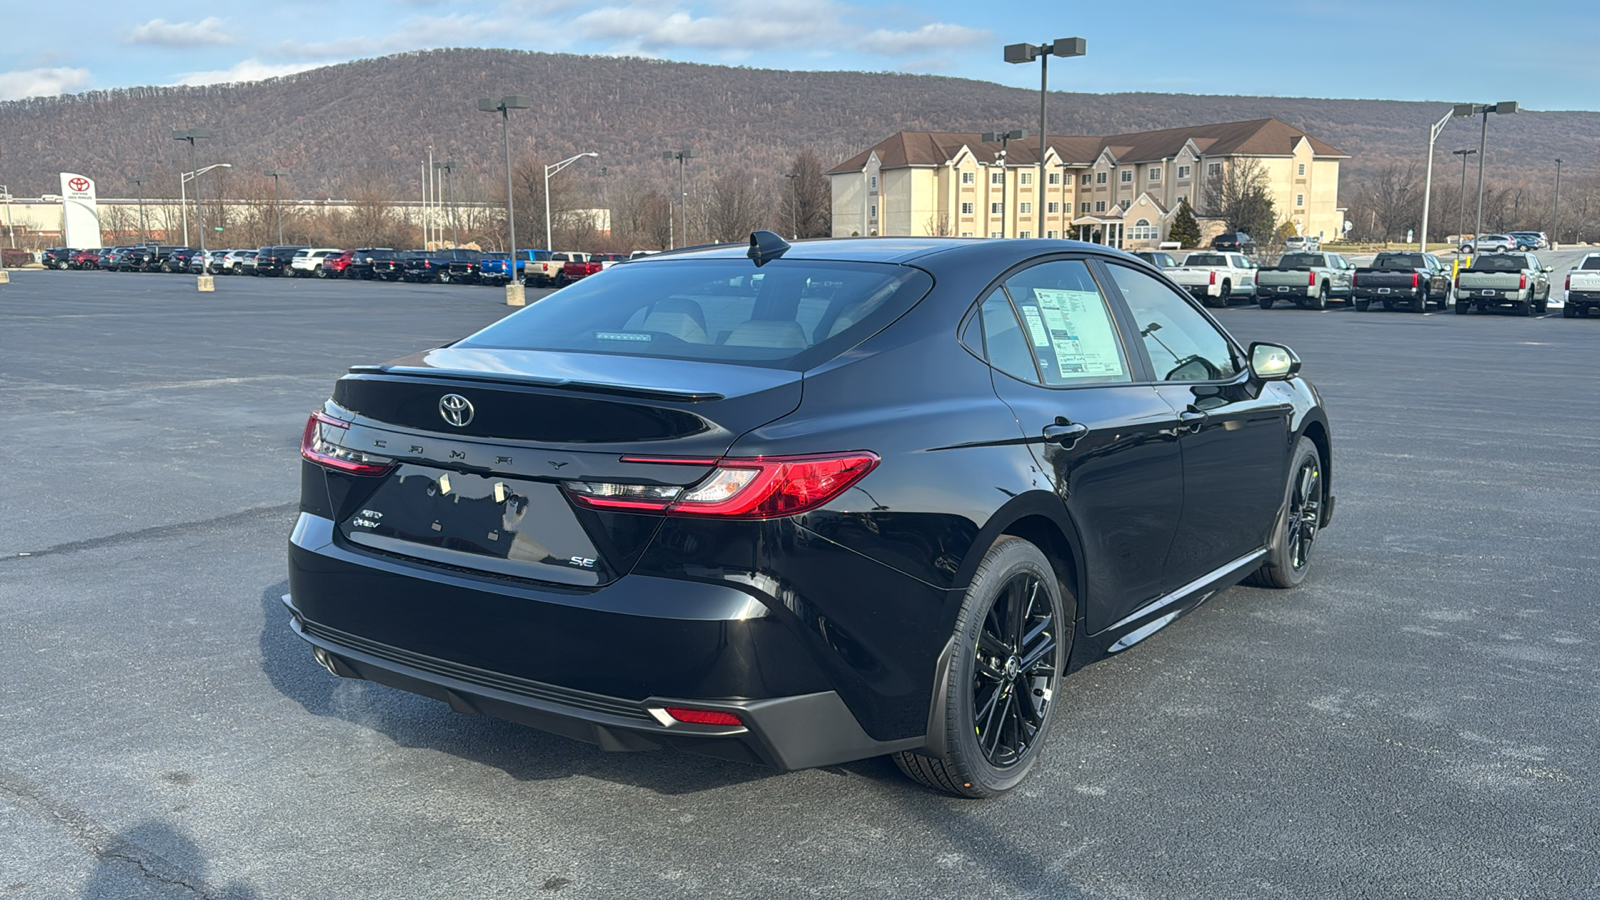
(42,82)
(207,32)
(248,70)
(930,38)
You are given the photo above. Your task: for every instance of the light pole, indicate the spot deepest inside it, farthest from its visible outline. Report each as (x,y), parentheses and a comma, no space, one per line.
(1003,137)
(1504,107)
(1023,53)
(138,181)
(191,135)
(514,295)
(1427,185)
(683,194)
(450,194)
(277,208)
(1064,202)
(1555,225)
(183,202)
(1461,207)
(551,170)
(794,203)
(11,227)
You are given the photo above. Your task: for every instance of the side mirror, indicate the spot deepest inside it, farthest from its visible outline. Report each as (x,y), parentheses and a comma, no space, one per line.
(1272,362)
(1549,268)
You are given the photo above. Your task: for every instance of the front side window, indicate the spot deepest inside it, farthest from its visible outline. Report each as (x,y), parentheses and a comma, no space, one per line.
(1182,343)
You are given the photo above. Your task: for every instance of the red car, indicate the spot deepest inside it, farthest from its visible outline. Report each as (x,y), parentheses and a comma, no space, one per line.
(334,264)
(84,259)
(576,269)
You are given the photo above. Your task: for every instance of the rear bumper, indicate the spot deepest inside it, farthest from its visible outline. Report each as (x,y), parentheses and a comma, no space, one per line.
(1394,293)
(597,666)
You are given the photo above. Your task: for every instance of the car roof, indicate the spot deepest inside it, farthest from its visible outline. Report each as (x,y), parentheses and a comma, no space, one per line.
(897,249)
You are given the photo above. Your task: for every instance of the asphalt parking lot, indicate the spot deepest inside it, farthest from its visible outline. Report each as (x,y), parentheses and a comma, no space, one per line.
(1418,720)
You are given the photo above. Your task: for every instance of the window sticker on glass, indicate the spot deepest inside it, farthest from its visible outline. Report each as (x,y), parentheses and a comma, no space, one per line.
(1080,329)
(1041,336)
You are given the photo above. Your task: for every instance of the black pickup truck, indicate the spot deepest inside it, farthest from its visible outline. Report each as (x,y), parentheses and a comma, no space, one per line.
(465,267)
(148,258)
(374,262)
(1413,279)
(434,265)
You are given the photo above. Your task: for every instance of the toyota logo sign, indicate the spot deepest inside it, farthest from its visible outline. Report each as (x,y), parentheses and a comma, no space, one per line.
(456,409)
(78,184)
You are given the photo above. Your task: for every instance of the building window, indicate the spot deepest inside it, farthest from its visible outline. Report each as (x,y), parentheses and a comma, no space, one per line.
(1299,199)
(995,209)
(872,182)
(1143,231)
(1183,172)
(994,234)
(966,178)
(1155,174)
(1025,178)
(966,208)
(1213,169)
(874,213)
(997,177)
(1025,209)
(1099,178)
(1054,178)
(1052,208)
(1127,176)
(1083,207)
(1302,169)
(1099,206)
(1086,178)
(966,234)
(1052,234)
(1024,234)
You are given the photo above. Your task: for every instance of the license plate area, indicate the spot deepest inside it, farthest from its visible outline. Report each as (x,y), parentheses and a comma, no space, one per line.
(503,526)
(1384,290)
(1283,289)
(1489,293)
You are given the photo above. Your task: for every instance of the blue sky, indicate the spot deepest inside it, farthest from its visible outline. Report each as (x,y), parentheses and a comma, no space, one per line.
(1540,54)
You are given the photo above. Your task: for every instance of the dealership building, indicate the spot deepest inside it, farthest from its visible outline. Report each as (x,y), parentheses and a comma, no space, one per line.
(1122,190)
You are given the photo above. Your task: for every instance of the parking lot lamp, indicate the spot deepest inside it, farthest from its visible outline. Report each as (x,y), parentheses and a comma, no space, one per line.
(1023,53)
(11,227)
(450,198)
(683,193)
(1461,207)
(277,208)
(191,135)
(1427,185)
(1004,137)
(138,181)
(1504,107)
(504,107)
(548,171)
(1555,223)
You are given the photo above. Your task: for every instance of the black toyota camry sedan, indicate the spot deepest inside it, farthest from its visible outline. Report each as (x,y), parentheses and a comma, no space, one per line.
(798,505)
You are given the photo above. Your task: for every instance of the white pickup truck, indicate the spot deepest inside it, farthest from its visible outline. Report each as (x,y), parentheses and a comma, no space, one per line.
(1583,287)
(542,270)
(1215,277)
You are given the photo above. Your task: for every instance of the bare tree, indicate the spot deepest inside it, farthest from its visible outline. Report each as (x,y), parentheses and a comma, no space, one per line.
(735,207)
(1240,194)
(938,225)
(807,198)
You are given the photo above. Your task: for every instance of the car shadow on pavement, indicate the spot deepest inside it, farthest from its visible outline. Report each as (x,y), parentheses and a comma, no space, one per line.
(523,753)
(156,860)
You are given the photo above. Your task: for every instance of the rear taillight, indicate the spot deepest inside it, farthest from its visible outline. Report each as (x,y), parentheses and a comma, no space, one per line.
(1569,282)
(757,488)
(1523,283)
(1311,279)
(1213,277)
(317,449)
(1414,279)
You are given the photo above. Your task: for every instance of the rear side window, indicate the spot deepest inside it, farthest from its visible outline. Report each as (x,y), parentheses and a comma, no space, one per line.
(1067,325)
(791,314)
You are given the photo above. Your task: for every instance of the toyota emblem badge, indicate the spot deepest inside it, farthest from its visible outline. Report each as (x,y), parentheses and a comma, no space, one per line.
(456,409)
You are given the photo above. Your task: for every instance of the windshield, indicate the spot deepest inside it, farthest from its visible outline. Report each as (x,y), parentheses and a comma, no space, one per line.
(1500,262)
(787,314)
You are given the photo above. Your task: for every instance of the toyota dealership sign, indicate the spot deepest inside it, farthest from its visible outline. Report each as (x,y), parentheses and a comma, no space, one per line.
(80,213)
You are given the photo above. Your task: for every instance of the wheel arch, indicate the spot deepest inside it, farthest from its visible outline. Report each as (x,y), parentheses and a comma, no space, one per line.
(1315,428)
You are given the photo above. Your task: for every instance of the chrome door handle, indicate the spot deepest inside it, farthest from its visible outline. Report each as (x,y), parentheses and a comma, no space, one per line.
(1191,421)
(1064,432)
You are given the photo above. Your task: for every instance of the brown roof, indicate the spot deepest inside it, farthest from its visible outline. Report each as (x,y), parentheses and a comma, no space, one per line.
(1258,137)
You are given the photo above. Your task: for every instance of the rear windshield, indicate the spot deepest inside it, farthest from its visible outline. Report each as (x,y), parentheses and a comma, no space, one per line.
(1299,260)
(1500,263)
(787,314)
(1399,261)
(1590,262)
(1205,259)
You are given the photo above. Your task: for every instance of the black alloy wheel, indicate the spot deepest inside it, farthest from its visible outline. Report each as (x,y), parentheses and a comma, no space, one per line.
(1289,555)
(1007,658)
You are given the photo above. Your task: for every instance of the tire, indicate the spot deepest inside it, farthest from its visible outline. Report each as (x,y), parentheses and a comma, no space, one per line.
(1388,305)
(1463,306)
(1264,300)
(1525,308)
(444,277)
(1569,311)
(1361,305)
(993,667)
(321,272)
(1419,303)
(61,265)
(1226,296)
(1295,531)
(1321,300)
(1544,303)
